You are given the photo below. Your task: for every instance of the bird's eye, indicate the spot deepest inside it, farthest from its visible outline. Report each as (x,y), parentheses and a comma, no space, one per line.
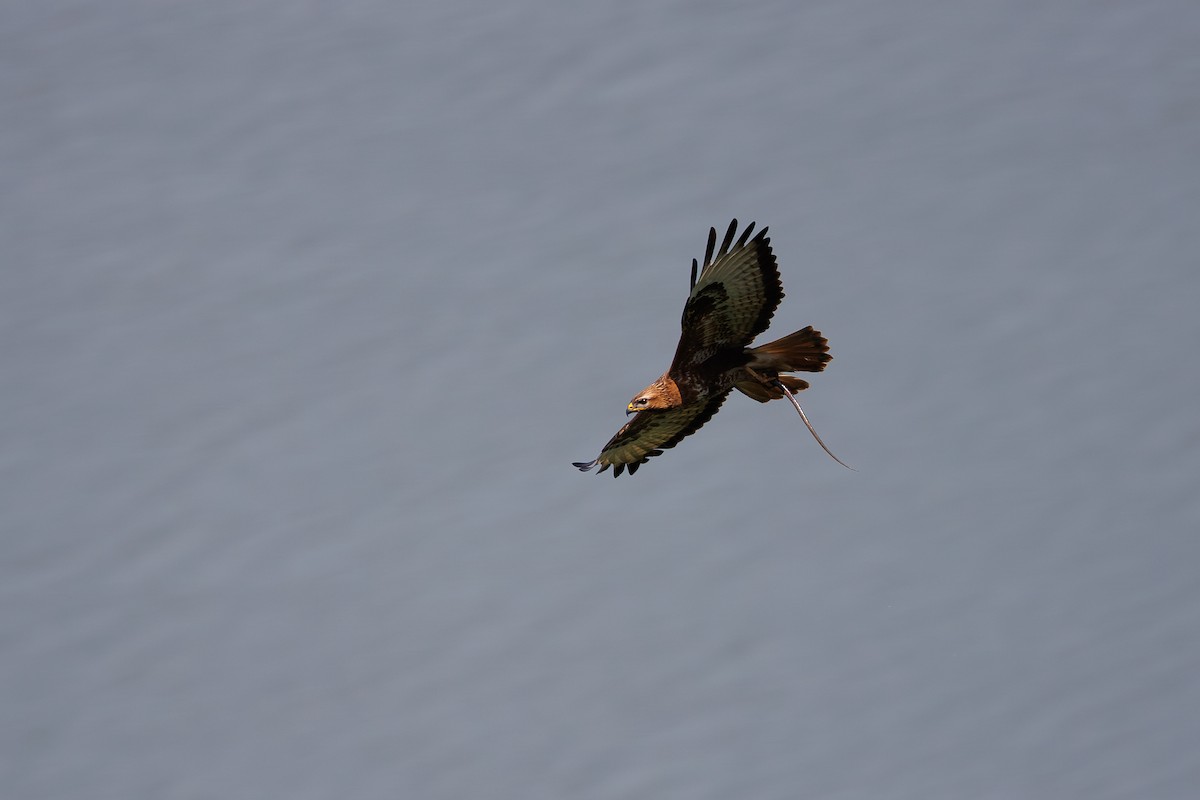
(641,401)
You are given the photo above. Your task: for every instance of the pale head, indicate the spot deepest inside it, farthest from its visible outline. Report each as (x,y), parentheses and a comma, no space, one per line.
(661,394)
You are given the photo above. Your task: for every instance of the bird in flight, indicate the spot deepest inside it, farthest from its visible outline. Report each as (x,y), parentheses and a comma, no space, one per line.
(732,300)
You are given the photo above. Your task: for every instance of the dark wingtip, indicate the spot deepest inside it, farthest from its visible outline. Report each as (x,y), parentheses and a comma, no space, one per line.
(729,234)
(745,237)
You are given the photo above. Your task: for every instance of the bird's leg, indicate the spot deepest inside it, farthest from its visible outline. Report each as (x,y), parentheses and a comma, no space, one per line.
(768,381)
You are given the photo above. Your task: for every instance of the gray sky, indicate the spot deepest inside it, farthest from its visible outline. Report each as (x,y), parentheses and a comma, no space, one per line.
(307,309)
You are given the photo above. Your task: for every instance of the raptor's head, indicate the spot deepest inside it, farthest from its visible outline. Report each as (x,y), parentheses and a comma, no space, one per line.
(661,394)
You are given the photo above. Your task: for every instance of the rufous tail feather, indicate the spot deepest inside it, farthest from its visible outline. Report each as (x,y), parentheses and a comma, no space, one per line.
(803,351)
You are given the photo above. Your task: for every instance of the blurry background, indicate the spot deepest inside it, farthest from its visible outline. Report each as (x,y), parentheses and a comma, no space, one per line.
(306,308)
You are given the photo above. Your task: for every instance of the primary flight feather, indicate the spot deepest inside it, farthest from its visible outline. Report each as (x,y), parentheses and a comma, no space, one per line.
(732,300)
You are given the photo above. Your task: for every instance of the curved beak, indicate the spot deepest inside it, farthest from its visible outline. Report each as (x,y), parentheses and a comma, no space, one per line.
(629,409)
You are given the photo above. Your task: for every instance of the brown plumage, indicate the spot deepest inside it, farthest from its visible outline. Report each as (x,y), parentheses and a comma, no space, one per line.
(732,301)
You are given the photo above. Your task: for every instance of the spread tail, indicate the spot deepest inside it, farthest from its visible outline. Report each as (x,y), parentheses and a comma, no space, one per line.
(803,351)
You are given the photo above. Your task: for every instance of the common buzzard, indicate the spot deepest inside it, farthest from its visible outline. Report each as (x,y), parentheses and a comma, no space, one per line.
(731,302)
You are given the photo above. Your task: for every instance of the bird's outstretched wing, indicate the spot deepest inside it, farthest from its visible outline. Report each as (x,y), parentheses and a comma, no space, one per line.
(651,432)
(733,297)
